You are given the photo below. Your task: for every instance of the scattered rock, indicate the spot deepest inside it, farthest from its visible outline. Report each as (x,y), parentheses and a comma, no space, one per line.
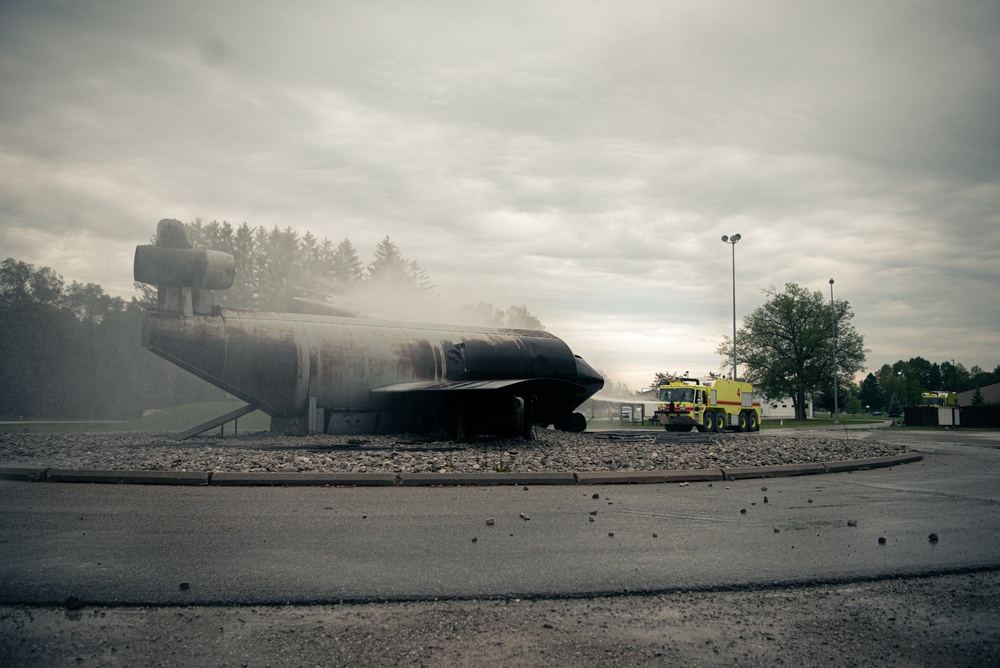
(184,586)
(881,540)
(933,538)
(490,521)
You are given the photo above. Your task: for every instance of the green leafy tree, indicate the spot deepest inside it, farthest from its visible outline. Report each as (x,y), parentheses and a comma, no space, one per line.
(928,374)
(513,317)
(786,345)
(518,317)
(21,283)
(663,378)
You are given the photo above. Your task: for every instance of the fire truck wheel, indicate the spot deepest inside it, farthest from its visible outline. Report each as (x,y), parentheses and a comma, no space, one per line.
(754,422)
(718,422)
(744,423)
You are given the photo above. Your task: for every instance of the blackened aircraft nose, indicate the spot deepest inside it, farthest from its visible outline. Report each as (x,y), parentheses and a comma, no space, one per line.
(586,376)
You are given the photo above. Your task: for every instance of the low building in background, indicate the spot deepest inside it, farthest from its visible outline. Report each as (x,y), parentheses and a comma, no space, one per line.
(991,395)
(782,408)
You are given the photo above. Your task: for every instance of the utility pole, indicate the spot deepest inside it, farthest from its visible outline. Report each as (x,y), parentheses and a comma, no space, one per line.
(833,318)
(732,242)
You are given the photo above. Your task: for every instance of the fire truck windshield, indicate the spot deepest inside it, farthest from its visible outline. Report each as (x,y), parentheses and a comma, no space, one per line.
(676,394)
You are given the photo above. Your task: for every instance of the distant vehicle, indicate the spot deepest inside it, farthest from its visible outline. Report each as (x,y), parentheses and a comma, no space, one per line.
(939,398)
(713,406)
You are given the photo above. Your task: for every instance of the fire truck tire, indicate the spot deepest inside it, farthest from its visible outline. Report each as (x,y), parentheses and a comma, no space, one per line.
(744,423)
(718,422)
(754,422)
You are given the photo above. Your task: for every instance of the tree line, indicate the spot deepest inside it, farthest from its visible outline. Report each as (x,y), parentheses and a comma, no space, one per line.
(71,351)
(786,348)
(907,380)
(275,267)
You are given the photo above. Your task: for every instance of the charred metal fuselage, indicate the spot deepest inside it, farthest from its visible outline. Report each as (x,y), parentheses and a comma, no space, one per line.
(366,376)
(314,373)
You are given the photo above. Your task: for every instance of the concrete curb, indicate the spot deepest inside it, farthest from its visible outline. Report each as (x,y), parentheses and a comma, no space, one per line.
(19,473)
(646,477)
(873,463)
(230,479)
(483,479)
(130,477)
(223,478)
(777,471)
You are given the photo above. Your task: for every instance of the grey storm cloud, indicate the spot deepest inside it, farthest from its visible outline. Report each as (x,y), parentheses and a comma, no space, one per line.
(580,158)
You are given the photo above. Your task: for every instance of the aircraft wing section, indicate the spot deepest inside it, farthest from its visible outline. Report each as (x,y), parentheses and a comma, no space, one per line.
(519,386)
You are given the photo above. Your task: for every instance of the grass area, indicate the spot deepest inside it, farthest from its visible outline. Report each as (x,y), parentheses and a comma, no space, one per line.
(768,423)
(176,418)
(772,423)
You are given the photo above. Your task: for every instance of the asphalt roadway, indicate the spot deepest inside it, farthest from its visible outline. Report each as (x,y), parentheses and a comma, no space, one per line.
(92,545)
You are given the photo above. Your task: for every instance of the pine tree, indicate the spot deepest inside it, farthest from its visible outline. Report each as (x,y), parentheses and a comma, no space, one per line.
(346,269)
(389,267)
(977,398)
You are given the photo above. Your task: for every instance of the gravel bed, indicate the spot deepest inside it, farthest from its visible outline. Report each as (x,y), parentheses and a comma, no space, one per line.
(551,451)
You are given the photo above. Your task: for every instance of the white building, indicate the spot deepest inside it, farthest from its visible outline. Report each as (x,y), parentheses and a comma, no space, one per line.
(782,408)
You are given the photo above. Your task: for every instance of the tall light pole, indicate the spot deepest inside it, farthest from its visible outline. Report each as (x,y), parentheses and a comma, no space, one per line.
(833,319)
(732,242)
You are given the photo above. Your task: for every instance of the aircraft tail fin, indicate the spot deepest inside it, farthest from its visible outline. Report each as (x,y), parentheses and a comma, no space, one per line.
(184,275)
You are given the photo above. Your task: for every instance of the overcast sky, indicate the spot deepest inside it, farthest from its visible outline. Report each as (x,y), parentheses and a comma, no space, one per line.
(580,158)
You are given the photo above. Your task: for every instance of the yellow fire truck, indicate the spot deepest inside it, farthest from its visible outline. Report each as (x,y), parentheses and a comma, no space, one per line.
(713,406)
(939,398)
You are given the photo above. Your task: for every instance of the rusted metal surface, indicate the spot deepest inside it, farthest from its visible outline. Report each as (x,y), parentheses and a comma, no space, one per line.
(279,360)
(176,267)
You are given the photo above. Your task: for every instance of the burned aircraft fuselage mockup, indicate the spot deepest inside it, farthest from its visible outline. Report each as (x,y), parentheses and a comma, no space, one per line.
(315,373)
